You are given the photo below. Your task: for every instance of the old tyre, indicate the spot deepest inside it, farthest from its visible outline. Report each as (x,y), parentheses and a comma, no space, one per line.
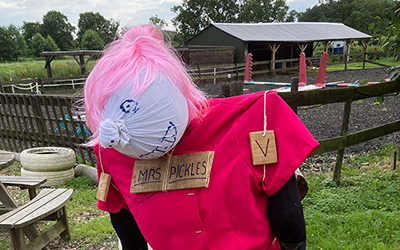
(54,178)
(47,159)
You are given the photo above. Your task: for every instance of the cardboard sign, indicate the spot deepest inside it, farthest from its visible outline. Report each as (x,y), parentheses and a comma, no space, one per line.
(183,172)
(263,148)
(104,185)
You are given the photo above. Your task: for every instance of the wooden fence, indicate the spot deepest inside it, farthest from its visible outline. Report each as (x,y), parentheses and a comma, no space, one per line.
(28,121)
(234,72)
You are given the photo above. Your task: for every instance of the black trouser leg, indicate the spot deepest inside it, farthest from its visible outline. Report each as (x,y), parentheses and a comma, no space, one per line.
(128,230)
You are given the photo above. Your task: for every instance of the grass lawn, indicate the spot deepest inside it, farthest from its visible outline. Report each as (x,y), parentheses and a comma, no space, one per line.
(389,61)
(362,213)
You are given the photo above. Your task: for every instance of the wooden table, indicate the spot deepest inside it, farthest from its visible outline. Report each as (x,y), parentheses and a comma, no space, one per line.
(31,183)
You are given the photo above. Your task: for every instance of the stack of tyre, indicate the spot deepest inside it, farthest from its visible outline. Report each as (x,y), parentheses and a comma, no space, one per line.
(56,164)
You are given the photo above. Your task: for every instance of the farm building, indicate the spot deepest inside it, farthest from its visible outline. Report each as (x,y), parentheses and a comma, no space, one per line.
(274,41)
(207,55)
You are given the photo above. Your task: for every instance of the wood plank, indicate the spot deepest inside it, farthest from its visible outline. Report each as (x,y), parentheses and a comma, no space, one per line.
(16,209)
(334,95)
(341,142)
(47,236)
(6,198)
(22,181)
(17,239)
(40,207)
(47,205)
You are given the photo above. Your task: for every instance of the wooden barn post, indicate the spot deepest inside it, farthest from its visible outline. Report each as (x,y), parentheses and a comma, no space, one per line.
(274,48)
(347,55)
(365,46)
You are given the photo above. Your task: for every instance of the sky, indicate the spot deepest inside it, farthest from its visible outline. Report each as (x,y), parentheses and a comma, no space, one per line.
(127,12)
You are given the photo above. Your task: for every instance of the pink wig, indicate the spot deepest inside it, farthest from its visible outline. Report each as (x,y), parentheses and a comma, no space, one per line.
(142,52)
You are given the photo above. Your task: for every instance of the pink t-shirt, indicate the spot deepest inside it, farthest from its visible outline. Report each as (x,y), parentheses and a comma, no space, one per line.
(231,212)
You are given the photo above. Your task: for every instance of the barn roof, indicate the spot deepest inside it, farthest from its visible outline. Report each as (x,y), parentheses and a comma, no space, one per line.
(299,32)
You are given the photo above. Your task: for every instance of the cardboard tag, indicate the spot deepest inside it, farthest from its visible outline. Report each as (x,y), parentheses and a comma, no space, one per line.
(148,175)
(104,185)
(263,148)
(183,172)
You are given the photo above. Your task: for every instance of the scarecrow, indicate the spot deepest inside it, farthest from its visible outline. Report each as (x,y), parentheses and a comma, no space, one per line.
(179,171)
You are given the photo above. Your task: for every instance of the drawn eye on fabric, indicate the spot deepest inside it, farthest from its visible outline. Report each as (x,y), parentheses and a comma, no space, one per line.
(129,106)
(168,141)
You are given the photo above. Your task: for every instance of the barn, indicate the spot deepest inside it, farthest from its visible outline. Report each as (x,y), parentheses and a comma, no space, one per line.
(274,41)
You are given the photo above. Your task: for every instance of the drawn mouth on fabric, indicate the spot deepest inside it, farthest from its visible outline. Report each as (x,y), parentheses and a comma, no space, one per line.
(168,141)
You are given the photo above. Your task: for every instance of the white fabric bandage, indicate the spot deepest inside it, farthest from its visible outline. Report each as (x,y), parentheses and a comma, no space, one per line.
(145,126)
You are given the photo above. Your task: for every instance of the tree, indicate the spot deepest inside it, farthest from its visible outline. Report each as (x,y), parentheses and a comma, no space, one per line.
(160,23)
(254,11)
(194,15)
(29,29)
(56,25)
(40,44)
(390,40)
(12,44)
(106,29)
(91,41)
(358,14)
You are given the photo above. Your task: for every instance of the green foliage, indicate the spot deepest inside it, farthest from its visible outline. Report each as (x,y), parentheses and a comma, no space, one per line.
(253,11)
(160,23)
(358,14)
(40,44)
(29,29)
(105,29)
(391,39)
(194,15)
(363,213)
(91,41)
(56,25)
(12,44)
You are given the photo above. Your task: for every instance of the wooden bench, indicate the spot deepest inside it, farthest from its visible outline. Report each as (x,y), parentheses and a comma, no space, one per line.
(49,204)
(23,182)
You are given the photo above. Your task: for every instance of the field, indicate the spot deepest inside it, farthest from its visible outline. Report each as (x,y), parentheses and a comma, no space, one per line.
(362,213)
(34,68)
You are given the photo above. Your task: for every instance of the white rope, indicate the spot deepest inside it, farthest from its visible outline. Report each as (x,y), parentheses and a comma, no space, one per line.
(265,125)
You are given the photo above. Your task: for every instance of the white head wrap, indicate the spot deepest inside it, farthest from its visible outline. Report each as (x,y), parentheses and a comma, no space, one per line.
(145,126)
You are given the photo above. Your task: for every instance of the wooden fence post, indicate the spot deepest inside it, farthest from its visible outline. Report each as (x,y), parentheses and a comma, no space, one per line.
(237,72)
(236,88)
(394,160)
(294,87)
(198,68)
(339,159)
(226,89)
(41,85)
(1,87)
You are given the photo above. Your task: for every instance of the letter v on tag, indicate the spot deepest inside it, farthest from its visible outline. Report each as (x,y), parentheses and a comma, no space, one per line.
(263,147)
(263,144)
